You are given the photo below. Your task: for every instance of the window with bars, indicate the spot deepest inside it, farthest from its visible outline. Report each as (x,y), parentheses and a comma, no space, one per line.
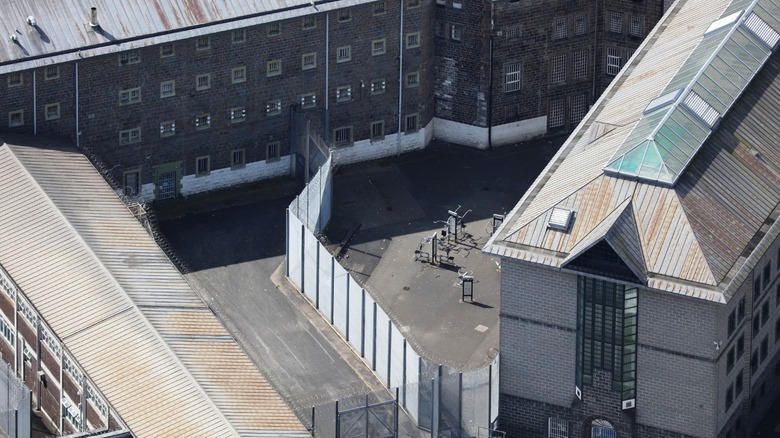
(577,107)
(130,136)
(309,100)
(342,136)
(378,47)
(308,61)
(378,86)
(167,89)
(580,64)
(132,183)
(412,40)
(378,130)
(615,22)
(411,123)
(238,36)
(237,159)
(514,32)
(273,107)
(344,93)
(441,29)
(580,25)
(512,76)
(557,428)
(274,29)
(203,43)
(556,114)
(52,111)
(15,79)
(413,79)
(167,50)
(203,82)
(15,118)
(273,67)
(51,72)
(560,28)
(238,75)
(412,4)
(456,32)
(344,54)
(309,23)
(380,8)
(203,121)
(636,26)
(614,60)
(167,128)
(558,68)
(131,57)
(237,115)
(345,15)
(202,166)
(130,96)
(272,151)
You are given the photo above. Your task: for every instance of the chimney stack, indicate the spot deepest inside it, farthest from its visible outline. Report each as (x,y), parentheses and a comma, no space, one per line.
(93,21)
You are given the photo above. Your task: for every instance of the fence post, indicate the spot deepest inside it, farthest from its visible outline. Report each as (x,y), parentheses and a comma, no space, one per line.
(396,411)
(313,427)
(338,421)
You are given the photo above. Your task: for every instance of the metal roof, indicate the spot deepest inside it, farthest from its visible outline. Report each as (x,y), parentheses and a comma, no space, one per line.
(699,237)
(152,347)
(62,32)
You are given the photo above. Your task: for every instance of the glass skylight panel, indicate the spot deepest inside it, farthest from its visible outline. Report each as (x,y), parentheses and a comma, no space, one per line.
(762,30)
(723,22)
(698,106)
(663,100)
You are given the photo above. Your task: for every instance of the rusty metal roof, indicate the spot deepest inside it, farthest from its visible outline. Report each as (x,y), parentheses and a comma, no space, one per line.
(698,237)
(152,347)
(62,32)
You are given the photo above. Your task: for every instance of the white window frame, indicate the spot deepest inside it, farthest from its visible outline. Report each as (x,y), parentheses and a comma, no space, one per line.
(560,28)
(578,107)
(273,68)
(130,96)
(558,68)
(167,128)
(378,86)
(164,92)
(129,57)
(580,63)
(130,136)
(203,121)
(51,72)
(203,82)
(15,79)
(202,159)
(557,428)
(614,61)
(378,47)
(202,43)
(556,113)
(513,76)
(273,107)
(309,61)
(55,114)
(342,136)
(237,164)
(344,54)
(413,40)
(456,32)
(238,36)
(164,53)
(237,114)
(412,79)
(238,75)
(309,100)
(344,93)
(12,115)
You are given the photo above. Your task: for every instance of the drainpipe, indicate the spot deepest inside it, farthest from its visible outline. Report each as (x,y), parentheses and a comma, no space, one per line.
(327,81)
(595,52)
(490,77)
(35,106)
(78,133)
(400,77)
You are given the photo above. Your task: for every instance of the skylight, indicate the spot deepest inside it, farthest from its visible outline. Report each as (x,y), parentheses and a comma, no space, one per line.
(675,125)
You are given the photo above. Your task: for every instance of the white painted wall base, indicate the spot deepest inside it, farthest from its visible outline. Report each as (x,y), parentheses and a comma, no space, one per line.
(222,178)
(477,137)
(365,150)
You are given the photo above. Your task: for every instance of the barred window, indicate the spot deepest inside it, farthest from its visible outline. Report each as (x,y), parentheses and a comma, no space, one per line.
(342,136)
(15,79)
(130,96)
(309,23)
(202,166)
(614,61)
(616,22)
(413,40)
(308,61)
(580,25)
(167,89)
(636,26)
(309,100)
(378,47)
(203,82)
(167,128)
(166,50)
(238,75)
(344,54)
(203,43)
(556,113)
(274,29)
(203,121)
(577,107)
(131,57)
(456,32)
(560,29)
(345,15)
(557,428)
(411,123)
(514,32)
(273,107)
(52,111)
(379,8)
(378,130)
(52,72)
(272,151)
(239,36)
(558,68)
(378,86)
(512,76)
(15,118)
(412,79)
(580,67)
(130,136)
(344,94)
(274,67)
(237,115)
(237,159)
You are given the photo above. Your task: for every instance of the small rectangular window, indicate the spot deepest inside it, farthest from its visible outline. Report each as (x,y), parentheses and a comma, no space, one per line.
(203,121)
(636,26)
(765,312)
(203,82)
(52,72)
(560,28)
(272,151)
(441,2)
(273,107)
(741,309)
(616,22)
(457,4)
(512,76)
(764,348)
(729,397)
(344,15)
(202,166)
(166,51)
(131,57)
(130,136)
(132,183)
(413,79)
(754,362)
(238,36)
(274,29)
(378,47)
(614,61)
(577,107)
(410,4)
(167,128)
(441,29)
(732,324)
(756,289)
(380,8)
(130,96)
(167,89)
(411,123)
(378,130)
(556,113)
(344,54)
(412,40)
(237,115)
(557,428)
(342,136)
(580,64)
(15,79)
(308,61)
(308,101)
(740,346)
(203,43)
(730,357)
(756,324)
(456,32)
(344,94)
(274,67)
(16,118)
(237,159)
(580,25)
(378,86)
(52,111)
(738,383)
(558,68)
(514,32)
(309,23)
(238,75)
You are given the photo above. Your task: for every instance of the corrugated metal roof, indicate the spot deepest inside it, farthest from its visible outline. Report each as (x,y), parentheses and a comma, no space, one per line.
(62,26)
(152,347)
(696,235)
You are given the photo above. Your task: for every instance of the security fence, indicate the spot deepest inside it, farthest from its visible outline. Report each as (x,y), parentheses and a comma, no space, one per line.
(15,404)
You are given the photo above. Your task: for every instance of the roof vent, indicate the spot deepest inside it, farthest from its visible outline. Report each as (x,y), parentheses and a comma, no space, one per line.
(560,219)
(31,21)
(13,37)
(93,21)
